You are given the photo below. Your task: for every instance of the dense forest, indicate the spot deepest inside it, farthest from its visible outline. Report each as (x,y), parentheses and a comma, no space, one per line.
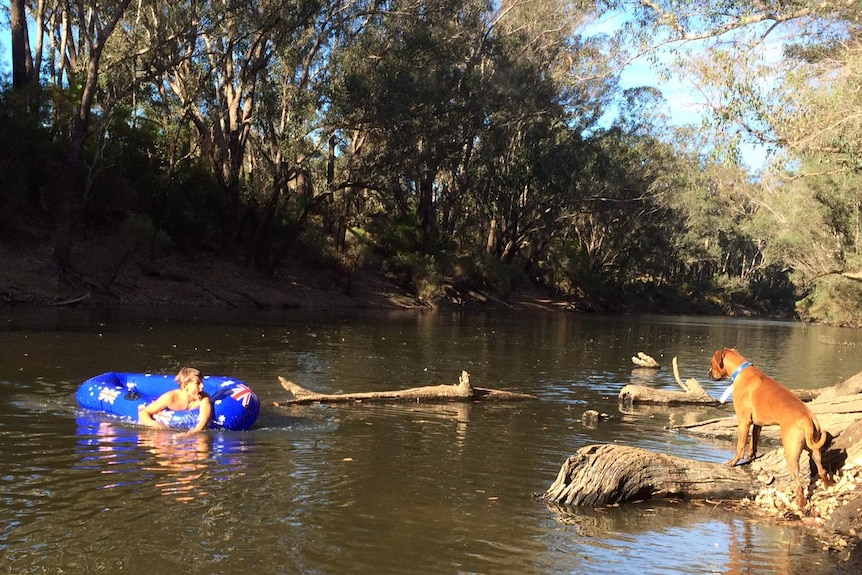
(451,142)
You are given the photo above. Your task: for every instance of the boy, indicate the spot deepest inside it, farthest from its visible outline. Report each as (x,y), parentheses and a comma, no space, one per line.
(190,395)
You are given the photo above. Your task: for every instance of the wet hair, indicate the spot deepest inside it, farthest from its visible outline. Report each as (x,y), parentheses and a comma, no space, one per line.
(187,374)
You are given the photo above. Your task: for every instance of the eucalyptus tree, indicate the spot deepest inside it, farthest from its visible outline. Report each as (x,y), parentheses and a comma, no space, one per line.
(549,87)
(720,207)
(623,224)
(92,59)
(784,75)
(822,126)
(84,32)
(738,54)
(228,48)
(466,120)
(293,140)
(22,59)
(406,102)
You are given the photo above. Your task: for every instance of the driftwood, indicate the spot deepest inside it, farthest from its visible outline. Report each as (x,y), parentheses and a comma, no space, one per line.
(72,301)
(692,392)
(607,474)
(462,391)
(644,360)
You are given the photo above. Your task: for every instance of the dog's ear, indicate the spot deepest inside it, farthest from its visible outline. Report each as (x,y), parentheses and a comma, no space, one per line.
(721,358)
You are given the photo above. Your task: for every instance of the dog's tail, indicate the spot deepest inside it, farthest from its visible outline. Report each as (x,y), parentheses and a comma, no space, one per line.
(815,447)
(815,437)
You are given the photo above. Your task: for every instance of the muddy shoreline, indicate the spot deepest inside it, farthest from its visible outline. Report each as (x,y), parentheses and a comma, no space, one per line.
(100,278)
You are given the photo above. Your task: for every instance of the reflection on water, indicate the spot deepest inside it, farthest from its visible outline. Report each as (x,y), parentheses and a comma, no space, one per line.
(170,461)
(407,488)
(177,461)
(694,538)
(184,458)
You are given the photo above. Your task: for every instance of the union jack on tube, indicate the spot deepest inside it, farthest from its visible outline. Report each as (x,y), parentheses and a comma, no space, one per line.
(242,393)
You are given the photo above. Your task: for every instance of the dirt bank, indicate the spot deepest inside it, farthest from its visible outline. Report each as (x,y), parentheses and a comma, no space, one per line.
(105,274)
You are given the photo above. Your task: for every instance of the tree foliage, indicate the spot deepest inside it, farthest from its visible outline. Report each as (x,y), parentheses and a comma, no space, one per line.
(784,75)
(469,141)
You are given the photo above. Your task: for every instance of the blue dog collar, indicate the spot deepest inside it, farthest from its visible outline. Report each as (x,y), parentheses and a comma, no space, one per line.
(738,370)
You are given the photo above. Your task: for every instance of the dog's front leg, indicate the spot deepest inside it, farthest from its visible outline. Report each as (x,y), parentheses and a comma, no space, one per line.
(741,440)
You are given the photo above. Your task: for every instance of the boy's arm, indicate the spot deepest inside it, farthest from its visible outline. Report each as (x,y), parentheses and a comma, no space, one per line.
(206,410)
(146,412)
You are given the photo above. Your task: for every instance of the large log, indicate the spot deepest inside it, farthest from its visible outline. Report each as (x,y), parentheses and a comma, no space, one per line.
(608,474)
(462,391)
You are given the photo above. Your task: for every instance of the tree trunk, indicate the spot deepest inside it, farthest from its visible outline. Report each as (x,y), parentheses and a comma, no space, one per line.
(230,213)
(426,207)
(608,474)
(22,62)
(462,391)
(70,176)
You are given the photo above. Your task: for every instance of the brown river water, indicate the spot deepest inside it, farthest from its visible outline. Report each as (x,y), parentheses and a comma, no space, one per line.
(376,488)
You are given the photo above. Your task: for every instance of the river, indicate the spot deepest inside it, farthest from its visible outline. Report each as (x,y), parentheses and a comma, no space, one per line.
(376,488)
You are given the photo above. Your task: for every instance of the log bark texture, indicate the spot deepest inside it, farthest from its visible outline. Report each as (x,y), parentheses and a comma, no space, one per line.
(462,391)
(608,474)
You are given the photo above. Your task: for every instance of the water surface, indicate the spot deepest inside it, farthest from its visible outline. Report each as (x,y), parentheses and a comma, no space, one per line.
(376,488)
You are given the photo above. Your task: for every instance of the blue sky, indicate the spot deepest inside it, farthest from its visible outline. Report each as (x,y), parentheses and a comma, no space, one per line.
(685,104)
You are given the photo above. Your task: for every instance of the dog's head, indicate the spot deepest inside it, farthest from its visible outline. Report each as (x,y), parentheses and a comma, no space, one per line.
(724,361)
(717,370)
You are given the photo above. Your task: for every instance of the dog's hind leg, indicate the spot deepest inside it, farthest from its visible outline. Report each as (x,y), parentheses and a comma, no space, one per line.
(755,437)
(824,477)
(794,441)
(793,468)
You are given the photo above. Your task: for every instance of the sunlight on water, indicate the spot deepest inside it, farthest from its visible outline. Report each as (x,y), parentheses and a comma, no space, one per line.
(408,488)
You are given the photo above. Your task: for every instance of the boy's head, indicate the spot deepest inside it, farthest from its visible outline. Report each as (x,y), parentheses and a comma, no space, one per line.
(188,374)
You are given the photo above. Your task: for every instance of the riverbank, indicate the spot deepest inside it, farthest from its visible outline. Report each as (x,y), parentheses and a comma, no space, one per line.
(105,274)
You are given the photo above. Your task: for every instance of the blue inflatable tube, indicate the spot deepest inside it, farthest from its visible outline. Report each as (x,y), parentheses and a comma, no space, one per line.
(235,405)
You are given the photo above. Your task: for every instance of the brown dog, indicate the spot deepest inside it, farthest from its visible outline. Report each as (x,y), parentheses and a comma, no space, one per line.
(760,400)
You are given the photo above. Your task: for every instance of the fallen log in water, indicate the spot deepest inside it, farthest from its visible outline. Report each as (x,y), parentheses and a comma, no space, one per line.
(692,393)
(462,391)
(607,474)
